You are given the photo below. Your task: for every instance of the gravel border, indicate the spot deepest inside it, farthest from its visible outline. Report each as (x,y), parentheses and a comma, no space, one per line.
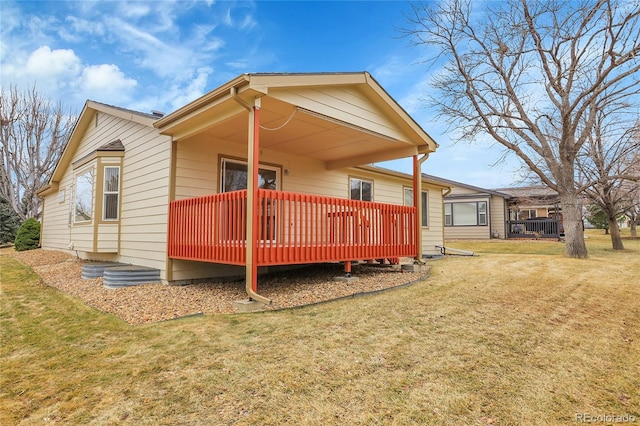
(148,303)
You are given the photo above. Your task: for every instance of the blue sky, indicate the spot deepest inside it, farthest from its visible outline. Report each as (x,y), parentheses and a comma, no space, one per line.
(160,55)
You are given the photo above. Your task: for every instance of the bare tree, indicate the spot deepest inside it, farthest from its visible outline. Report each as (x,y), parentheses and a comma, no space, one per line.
(609,167)
(33,134)
(532,75)
(633,211)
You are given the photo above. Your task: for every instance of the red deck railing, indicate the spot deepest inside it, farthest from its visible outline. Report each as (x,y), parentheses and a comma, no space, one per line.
(293,228)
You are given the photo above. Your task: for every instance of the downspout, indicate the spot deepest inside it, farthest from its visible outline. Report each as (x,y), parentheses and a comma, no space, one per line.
(417,201)
(444,194)
(253,164)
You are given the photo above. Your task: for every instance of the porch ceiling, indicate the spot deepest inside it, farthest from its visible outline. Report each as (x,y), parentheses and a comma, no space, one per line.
(285,128)
(288,124)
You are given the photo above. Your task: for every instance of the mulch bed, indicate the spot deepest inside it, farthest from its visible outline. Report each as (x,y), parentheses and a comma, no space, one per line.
(157,302)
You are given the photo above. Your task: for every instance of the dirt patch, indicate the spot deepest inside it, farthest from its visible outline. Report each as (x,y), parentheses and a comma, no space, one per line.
(156,302)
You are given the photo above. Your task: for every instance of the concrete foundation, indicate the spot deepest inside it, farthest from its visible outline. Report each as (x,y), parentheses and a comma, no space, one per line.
(412,267)
(247,305)
(346,279)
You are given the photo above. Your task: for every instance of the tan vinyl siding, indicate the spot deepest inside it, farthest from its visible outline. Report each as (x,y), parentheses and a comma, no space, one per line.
(108,238)
(466,233)
(498,216)
(432,235)
(346,104)
(143,198)
(470,232)
(56,233)
(82,237)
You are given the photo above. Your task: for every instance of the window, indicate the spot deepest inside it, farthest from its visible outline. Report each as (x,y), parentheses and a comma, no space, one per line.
(361,189)
(83,211)
(111,193)
(234,176)
(527,214)
(465,214)
(408,201)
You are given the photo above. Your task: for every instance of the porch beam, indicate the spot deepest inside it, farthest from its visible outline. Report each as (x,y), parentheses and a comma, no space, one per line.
(375,157)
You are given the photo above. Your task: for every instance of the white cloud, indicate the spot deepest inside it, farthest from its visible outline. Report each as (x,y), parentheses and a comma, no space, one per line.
(134,10)
(76,30)
(180,96)
(106,78)
(46,63)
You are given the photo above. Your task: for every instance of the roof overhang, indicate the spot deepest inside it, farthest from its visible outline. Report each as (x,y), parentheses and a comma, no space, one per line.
(401,175)
(342,119)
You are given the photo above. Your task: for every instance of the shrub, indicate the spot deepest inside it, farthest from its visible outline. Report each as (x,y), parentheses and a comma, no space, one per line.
(9,222)
(28,236)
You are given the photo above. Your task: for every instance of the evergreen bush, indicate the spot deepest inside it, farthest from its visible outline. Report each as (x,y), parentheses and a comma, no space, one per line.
(28,236)
(9,222)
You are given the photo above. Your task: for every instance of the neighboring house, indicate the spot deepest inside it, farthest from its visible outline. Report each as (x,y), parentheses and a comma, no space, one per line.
(471,212)
(534,212)
(266,170)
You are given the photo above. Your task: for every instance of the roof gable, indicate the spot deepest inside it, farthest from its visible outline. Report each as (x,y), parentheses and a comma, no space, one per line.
(86,117)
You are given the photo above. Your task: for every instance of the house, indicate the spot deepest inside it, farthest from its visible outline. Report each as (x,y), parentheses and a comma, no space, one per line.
(472,212)
(533,212)
(264,171)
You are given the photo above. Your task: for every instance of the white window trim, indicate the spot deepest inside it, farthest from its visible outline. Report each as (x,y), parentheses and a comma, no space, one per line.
(450,213)
(75,195)
(245,163)
(361,180)
(425,194)
(105,193)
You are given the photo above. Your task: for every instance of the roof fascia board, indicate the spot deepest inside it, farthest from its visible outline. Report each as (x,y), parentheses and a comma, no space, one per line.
(121,113)
(468,196)
(263,82)
(202,103)
(401,175)
(453,183)
(85,118)
(181,133)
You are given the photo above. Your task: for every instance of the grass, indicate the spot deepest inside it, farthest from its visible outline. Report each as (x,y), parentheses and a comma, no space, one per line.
(516,335)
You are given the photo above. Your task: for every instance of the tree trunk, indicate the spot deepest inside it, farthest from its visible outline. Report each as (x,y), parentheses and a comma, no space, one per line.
(573,226)
(632,224)
(616,239)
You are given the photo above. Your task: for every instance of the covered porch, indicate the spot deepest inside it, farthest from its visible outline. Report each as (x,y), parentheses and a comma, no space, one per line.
(337,120)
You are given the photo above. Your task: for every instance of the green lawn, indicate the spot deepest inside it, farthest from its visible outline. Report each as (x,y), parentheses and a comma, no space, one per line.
(518,334)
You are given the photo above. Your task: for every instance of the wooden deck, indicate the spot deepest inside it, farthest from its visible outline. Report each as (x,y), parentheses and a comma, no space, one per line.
(294,228)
